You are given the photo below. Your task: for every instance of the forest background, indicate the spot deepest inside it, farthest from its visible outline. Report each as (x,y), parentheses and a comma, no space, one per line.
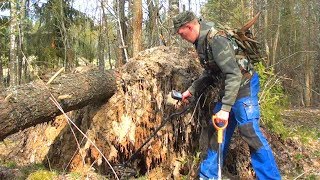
(43,36)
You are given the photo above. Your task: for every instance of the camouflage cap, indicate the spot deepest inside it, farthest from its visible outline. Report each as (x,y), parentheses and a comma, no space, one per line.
(181,19)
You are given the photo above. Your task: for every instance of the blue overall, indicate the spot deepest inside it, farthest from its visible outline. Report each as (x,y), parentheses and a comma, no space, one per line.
(245,114)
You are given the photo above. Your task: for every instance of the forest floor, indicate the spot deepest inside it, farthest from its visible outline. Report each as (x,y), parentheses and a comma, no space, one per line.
(302,144)
(303,126)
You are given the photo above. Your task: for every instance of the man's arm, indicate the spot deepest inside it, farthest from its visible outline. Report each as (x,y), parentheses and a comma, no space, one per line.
(199,85)
(223,55)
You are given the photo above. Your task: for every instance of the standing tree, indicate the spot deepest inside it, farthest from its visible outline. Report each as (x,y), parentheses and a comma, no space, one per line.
(137,27)
(151,26)
(21,42)
(4,21)
(173,10)
(102,38)
(13,43)
(63,29)
(122,54)
(106,30)
(1,75)
(308,58)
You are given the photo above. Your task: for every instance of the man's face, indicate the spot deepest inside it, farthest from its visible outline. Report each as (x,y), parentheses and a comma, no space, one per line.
(188,32)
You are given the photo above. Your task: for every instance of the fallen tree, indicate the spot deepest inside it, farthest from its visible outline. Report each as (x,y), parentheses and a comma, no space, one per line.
(121,126)
(27,105)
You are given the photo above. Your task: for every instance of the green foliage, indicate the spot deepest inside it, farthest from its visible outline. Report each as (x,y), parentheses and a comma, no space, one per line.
(57,27)
(84,40)
(227,12)
(4,40)
(272,100)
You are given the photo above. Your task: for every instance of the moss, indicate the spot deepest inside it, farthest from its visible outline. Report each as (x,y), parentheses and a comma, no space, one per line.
(42,175)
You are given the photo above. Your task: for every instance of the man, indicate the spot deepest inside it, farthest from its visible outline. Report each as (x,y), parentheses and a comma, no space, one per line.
(238,103)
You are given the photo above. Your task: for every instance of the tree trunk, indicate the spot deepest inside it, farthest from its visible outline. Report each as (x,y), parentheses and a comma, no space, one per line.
(173,11)
(1,75)
(265,32)
(21,47)
(275,42)
(101,41)
(13,44)
(316,46)
(106,36)
(152,24)
(28,105)
(137,27)
(309,61)
(68,53)
(122,34)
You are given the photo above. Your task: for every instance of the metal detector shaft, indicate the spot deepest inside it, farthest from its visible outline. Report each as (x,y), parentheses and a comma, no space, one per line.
(219,161)
(220,139)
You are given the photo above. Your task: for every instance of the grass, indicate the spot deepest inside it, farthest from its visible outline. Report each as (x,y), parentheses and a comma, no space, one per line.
(10,164)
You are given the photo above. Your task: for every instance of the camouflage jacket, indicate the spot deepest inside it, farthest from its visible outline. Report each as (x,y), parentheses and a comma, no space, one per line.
(217,56)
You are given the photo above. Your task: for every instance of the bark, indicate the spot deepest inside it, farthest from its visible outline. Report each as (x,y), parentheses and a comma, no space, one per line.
(137,27)
(122,52)
(101,43)
(1,75)
(68,57)
(27,105)
(21,47)
(103,39)
(173,11)
(275,42)
(13,44)
(309,59)
(152,24)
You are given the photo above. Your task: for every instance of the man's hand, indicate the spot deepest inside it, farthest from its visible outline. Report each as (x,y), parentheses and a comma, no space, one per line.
(222,116)
(185,96)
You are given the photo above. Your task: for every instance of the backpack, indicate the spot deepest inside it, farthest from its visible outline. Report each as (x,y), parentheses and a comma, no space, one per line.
(243,39)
